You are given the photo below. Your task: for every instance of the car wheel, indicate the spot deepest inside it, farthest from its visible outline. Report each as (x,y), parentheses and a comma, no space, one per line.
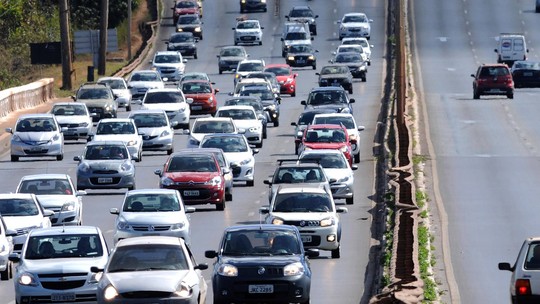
(293,94)
(264,133)
(14,158)
(235,43)
(510,95)
(476,95)
(250,183)
(128,107)
(350,89)
(228,196)
(335,253)
(315,32)
(60,157)
(357,158)
(221,206)
(4,275)
(195,56)
(131,188)
(537,9)
(170,151)
(296,146)
(314,66)
(349,200)
(259,145)
(283,54)
(220,71)
(364,79)
(276,123)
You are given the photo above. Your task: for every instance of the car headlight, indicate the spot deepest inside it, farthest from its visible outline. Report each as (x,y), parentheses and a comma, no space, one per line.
(84,168)
(277,221)
(28,279)
(254,129)
(245,161)
(327,222)
(299,134)
(263,1)
(110,293)
(293,269)
(178,226)
(83,124)
(243,1)
(289,80)
(215,181)
(345,110)
(16,138)
(311,57)
(271,107)
(122,224)
(228,270)
(69,206)
(96,277)
(132,143)
(182,110)
(126,166)
(166,181)
(3,248)
(179,30)
(343,179)
(307,148)
(344,149)
(108,108)
(290,58)
(353,137)
(184,291)
(165,133)
(211,100)
(197,29)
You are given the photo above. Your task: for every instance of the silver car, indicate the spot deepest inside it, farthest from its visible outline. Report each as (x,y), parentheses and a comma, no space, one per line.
(161,269)
(22,213)
(73,118)
(36,135)
(143,80)
(122,95)
(105,165)
(55,265)
(6,248)
(55,192)
(157,130)
(152,212)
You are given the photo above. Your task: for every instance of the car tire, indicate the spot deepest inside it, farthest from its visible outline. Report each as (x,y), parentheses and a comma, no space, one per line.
(170,151)
(128,107)
(537,9)
(510,95)
(5,275)
(132,188)
(235,43)
(276,123)
(314,66)
(221,206)
(283,54)
(60,157)
(228,196)
(220,71)
(250,183)
(195,56)
(296,147)
(350,89)
(259,145)
(265,135)
(336,253)
(357,158)
(14,158)
(260,42)
(349,200)
(364,79)
(293,94)
(476,95)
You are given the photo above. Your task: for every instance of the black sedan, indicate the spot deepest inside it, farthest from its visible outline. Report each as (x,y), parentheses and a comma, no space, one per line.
(526,74)
(184,42)
(261,264)
(336,76)
(301,55)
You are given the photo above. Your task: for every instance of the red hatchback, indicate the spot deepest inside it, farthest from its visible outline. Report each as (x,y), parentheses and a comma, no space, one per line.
(493,79)
(185,7)
(203,94)
(196,175)
(285,77)
(327,136)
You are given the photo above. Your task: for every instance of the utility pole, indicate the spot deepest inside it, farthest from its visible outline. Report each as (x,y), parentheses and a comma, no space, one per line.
(103,36)
(129,32)
(66,45)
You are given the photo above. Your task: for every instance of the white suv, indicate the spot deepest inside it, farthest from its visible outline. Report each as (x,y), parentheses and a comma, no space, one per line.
(248,31)
(355,25)
(313,211)
(169,64)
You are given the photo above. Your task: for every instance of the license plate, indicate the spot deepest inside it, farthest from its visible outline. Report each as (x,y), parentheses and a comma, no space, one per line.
(191,192)
(261,288)
(336,84)
(300,61)
(305,238)
(528,74)
(104,180)
(495,91)
(63,297)
(195,108)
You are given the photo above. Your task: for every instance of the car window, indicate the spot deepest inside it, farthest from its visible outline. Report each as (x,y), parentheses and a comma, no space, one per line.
(64,246)
(18,207)
(167,59)
(227,144)
(94,93)
(354,18)
(302,202)
(151,202)
(114,83)
(237,114)
(145,77)
(532,260)
(260,242)
(62,110)
(213,127)
(195,88)
(181,38)
(188,20)
(106,152)
(328,161)
(46,187)
(192,163)
(36,125)
(291,175)
(347,122)
(149,120)
(147,258)
(163,97)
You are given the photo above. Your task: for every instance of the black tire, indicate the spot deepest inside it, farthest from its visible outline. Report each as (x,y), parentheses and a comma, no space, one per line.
(296,147)
(357,158)
(260,42)
(170,151)
(336,253)
(276,123)
(220,71)
(510,95)
(221,207)
(349,201)
(4,275)
(128,107)
(131,188)
(14,158)
(364,79)
(293,94)
(235,43)
(259,145)
(314,66)
(350,89)
(250,183)
(228,196)
(59,157)
(283,54)
(265,135)
(476,95)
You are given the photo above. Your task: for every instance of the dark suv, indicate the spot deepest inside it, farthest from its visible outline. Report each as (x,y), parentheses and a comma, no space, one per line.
(493,79)
(252,5)
(335,98)
(99,99)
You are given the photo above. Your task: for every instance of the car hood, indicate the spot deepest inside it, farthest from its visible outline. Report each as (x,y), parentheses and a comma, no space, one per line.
(305,216)
(300,54)
(277,260)
(117,137)
(50,201)
(199,96)
(64,265)
(179,44)
(162,218)
(17,222)
(337,107)
(247,123)
(96,102)
(237,156)
(190,10)
(196,177)
(147,84)
(165,106)
(232,58)
(355,24)
(302,19)
(71,119)
(105,164)
(153,131)
(336,173)
(155,280)
(247,31)
(36,136)
(333,76)
(300,41)
(169,65)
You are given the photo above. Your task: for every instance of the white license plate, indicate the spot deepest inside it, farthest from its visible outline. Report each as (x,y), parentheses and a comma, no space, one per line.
(305,238)
(495,91)
(63,297)
(195,108)
(191,192)
(261,288)
(104,180)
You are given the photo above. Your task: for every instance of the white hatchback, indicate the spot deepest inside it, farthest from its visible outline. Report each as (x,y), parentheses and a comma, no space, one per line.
(120,129)
(209,125)
(355,25)
(173,101)
(245,118)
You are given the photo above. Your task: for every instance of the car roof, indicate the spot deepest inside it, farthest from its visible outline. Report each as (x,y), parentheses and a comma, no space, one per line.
(167,53)
(152,190)
(329,89)
(213,119)
(321,151)
(148,111)
(494,65)
(276,65)
(58,230)
(300,7)
(45,176)
(354,14)
(144,240)
(36,115)
(325,126)
(164,90)
(240,107)
(333,114)
(190,152)
(117,119)
(16,195)
(263,227)
(196,81)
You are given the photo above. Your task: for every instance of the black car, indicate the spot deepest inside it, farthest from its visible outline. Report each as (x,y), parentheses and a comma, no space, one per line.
(354,61)
(526,74)
(230,56)
(336,76)
(253,101)
(329,97)
(252,5)
(304,120)
(190,23)
(184,42)
(301,55)
(269,99)
(261,264)
(303,13)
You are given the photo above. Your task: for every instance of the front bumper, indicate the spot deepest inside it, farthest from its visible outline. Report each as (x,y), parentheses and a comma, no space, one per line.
(325,238)
(301,61)
(74,131)
(243,173)
(206,194)
(144,230)
(342,190)
(19,148)
(354,32)
(248,38)
(85,292)
(106,181)
(64,217)
(157,143)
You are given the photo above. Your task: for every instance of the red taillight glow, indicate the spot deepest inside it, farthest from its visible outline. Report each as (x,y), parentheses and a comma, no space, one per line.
(523,287)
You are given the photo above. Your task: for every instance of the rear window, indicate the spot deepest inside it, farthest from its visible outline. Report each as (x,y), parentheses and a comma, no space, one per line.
(532,260)
(494,71)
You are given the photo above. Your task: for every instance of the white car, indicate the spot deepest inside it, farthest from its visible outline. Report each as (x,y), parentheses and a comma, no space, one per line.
(237,151)
(247,66)
(152,212)
(55,192)
(143,80)
(169,64)
(249,82)
(336,168)
(245,118)
(355,25)
(248,31)
(173,101)
(357,48)
(361,41)
(209,125)
(122,94)
(298,34)
(55,263)
(120,129)
(158,131)
(73,118)
(36,135)
(313,211)
(22,212)
(348,121)
(6,248)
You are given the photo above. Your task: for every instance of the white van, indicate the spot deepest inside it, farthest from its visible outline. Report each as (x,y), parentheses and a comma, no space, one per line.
(510,48)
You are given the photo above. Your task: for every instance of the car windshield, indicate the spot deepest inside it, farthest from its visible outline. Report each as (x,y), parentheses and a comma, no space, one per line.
(302,202)
(245,102)
(300,49)
(69,110)
(342,57)
(296,36)
(115,84)
(237,114)
(528,65)
(163,97)
(47,186)
(206,127)
(189,20)
(94,93)
(181,38)
(156,120)
(36,125)
(147,257)
(301,13)
(346,121)
(106,152)
(260,243)
(247,25)
(192,163)
(532,260)
(145,77)
(328,97)
(356,49)
(250,66)
(196,88)
(151,202)
(18,207)
(279,71)
(194,76)
(292,175)
(334,70)
(115,128)
(186,4)
(494,71)
(325,136)
(63,246)
(231,52)
(328,161)
(354,18)
(227,144)
(263,94)
(167,59)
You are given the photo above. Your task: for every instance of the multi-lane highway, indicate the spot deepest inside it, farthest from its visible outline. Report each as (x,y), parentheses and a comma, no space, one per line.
(334,280)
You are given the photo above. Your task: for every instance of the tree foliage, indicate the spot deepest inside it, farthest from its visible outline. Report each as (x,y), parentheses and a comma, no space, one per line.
(85,14)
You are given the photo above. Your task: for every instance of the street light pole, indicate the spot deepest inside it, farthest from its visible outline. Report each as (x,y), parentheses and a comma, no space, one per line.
(66,46)
(129,32)
(103,36)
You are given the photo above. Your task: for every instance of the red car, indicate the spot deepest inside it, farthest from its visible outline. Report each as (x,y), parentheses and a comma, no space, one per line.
(493,79)
(185,7)
(197,176)
(285,77)
(327,136)
(203,94)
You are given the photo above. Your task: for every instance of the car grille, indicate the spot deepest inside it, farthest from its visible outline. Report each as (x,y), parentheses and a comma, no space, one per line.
(34,152)
(17,247)
(150,227)
(171,114)
(145,294)
(71,125)
(247,38)
(167,70)
(96,110)
(105,171)
(303,223)
(148,137)
(315,241)
(63,285)
(250,272)
(236,171)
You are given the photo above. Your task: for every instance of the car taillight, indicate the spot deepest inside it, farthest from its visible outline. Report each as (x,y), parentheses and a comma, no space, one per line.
(523,287)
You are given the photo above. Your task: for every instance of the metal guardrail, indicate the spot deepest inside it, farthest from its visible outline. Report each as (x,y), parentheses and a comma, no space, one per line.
(26,96)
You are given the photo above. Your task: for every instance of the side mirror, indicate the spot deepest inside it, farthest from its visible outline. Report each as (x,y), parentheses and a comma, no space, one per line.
(226,171)
(80,193)
(77,158)
(505,266)
(352,100)
(310,253)
(255,151)
(184,60)
(185,131)
(9,130)
(264,210)
(496,51)
(303,102)
(48,213)
(114,211)
(216,91)
(158,172)
(472,75)
(201,266)
(293,124)
(267,182)
(96,269)
(342,210)
(73,97)
(11,232)
(14,257)
(210,254)
(354,167)
(189,210)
